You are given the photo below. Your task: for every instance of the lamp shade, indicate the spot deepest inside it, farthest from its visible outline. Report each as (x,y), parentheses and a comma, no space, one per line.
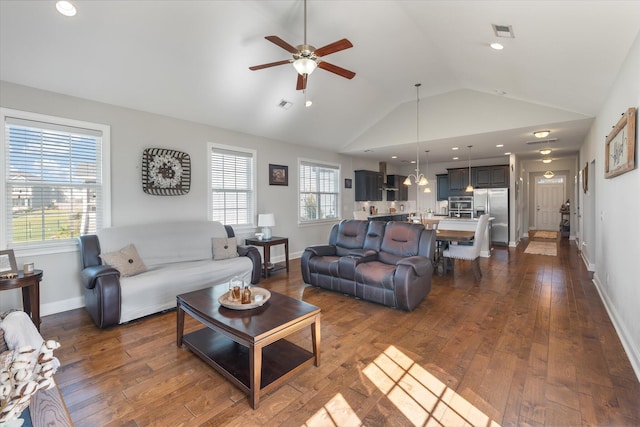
(266,220)
(304,66)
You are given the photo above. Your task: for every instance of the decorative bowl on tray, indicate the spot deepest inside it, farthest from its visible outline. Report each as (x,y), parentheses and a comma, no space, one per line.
(259,296)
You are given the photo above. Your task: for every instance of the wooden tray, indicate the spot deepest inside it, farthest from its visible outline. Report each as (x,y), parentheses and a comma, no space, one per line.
(226,301)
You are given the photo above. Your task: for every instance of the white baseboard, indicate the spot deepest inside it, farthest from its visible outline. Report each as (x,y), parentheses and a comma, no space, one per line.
(60,306)
(629,347)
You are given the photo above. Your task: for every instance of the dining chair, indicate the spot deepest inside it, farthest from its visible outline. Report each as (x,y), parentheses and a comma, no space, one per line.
(469,252)
(430,224)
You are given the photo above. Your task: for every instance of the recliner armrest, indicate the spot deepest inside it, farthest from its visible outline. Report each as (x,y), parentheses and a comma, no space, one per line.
(370,254)
(322,250)
(89,275)
(419,264)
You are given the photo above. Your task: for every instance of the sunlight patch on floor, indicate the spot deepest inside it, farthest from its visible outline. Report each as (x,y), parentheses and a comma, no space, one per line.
(336,412)
(420,396)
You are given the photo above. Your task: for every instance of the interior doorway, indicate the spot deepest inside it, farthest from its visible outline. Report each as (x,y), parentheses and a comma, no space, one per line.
(549,195)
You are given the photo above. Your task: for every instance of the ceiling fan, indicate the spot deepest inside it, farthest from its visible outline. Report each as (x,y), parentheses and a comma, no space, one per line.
(306,57)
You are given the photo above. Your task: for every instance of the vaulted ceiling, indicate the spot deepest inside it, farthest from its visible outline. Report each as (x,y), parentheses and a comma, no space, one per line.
(190,59)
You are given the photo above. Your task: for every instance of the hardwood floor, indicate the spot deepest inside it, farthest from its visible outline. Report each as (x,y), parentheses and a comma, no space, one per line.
(529,344)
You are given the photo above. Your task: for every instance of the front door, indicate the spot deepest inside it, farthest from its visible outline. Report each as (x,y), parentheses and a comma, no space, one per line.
(549,195)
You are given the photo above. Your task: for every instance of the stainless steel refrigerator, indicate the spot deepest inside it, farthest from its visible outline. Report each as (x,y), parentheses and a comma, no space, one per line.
(495,202)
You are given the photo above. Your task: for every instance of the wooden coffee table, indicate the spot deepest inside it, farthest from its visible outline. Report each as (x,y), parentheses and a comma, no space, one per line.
(247,346)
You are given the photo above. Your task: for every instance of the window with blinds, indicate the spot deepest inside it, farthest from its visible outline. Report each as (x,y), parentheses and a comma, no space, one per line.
(319,192)
(232,185)
(53,179)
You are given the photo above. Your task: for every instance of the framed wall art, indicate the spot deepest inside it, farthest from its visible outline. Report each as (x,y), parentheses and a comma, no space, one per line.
(347,183)
(278,175)
(8,267)
(165,172)
(620,146)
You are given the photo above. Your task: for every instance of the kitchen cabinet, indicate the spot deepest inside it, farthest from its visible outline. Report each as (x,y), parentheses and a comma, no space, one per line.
(443,186)
(396,181)
(368,185)
(490,176)
(458,181)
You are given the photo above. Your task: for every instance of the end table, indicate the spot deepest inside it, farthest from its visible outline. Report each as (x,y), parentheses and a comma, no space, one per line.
(266,246)
(30,284)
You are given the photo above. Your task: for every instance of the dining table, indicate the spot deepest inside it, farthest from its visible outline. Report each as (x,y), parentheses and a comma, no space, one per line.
(444,237)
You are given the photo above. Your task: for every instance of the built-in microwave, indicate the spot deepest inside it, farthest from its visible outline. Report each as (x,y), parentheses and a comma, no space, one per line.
(461,206)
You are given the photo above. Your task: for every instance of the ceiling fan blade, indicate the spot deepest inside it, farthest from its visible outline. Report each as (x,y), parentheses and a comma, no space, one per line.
(271,64)
(283,44)
(333,47)
(336,70)
(302,82)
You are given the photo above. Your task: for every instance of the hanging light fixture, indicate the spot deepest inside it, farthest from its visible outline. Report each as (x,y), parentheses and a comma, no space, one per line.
(548,174)
(426,172)
(541,133)
(469,188)
(418,178)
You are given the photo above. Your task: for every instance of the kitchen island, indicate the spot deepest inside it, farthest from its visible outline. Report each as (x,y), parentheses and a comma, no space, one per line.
(468,224)
(390,216)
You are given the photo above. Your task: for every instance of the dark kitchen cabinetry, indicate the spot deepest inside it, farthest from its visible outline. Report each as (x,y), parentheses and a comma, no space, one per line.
(396,181)
(458,181)
(490,176)
(443,186)
(368,186)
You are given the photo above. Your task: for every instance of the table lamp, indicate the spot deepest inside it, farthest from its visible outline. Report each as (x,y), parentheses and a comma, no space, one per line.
(266,221)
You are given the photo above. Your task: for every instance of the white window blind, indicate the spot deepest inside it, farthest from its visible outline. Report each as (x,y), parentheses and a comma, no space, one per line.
(53,181)
(319,192)
(232,186)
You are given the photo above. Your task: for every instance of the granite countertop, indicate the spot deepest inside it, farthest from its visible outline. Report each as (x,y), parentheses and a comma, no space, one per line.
(381,214)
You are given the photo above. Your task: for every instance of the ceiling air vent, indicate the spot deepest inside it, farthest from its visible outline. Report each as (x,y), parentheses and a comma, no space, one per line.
(542,141)
(285,104)
(503,31)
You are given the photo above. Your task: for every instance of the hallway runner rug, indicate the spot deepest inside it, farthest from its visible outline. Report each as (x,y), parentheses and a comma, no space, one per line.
(542,248)
(545,234)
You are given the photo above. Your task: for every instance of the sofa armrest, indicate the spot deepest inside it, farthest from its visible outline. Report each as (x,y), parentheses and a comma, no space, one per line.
(419,264)
(89,275)
(254,255)
(321,250)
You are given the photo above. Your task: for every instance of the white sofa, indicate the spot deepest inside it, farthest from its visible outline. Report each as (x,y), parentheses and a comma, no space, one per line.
(178,259)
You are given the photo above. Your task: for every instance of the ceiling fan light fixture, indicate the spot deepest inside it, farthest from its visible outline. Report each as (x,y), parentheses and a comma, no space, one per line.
(304,66)
(545,151)
(541,133)
(546,160)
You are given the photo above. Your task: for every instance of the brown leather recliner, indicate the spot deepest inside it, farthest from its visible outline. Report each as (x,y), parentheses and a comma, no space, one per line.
(386,263)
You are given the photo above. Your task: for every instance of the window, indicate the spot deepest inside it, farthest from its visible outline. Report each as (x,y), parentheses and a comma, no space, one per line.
(319,191)
(55,180)
(232,185)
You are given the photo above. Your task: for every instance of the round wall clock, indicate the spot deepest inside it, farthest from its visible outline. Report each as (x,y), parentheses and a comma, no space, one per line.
(165,172)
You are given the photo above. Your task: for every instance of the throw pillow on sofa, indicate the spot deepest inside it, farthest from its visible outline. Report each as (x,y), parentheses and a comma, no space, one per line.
(224,247)
(126,261)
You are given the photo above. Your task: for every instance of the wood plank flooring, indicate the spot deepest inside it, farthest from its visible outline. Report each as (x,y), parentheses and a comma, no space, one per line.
(530,344)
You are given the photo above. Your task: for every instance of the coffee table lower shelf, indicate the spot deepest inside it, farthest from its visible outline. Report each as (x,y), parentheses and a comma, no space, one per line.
(280,360)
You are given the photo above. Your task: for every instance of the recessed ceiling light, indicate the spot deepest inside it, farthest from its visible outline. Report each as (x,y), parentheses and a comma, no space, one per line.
(546,160)
(66,8)
(454,148)
(456,158)
(308,103)
(541,133)
(508,153)
(496,46)
(500,145)
(413,161)
(545,151)
(394,157)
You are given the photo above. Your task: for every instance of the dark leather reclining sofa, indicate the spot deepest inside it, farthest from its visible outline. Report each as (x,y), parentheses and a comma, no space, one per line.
(387,263)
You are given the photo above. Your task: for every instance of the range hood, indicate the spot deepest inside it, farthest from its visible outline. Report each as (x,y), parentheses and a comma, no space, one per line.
(383,170)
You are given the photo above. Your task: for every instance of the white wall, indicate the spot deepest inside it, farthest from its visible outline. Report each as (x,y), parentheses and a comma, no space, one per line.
(131,132)
(617,204)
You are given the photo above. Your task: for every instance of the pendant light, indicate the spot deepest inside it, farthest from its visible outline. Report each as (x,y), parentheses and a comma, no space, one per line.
(469,188)
(426,188)
(418,178)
